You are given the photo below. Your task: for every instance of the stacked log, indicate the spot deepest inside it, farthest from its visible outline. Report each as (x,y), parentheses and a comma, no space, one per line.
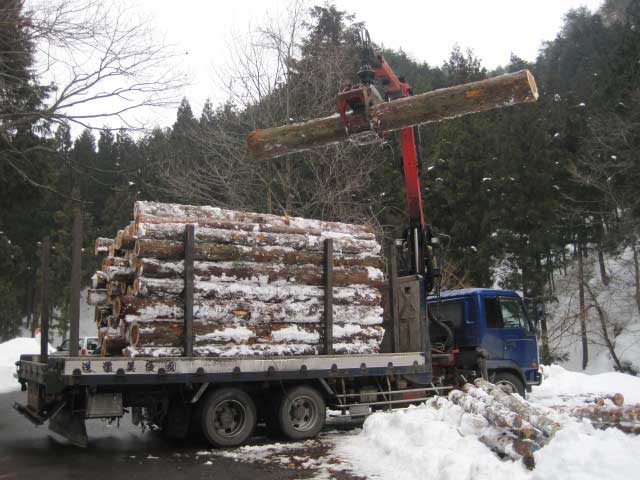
(258,284)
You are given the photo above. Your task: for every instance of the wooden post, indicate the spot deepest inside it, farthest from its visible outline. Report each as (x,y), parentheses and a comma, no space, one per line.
(44,298)
(76,273)
(328,296)
(189,236)
(393,300)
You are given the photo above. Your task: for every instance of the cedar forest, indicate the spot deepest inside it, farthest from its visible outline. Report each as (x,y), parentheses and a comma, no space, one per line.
(526,189)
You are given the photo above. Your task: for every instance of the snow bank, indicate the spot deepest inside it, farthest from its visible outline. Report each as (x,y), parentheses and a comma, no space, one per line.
(427,443)
(9,354)
(560,386)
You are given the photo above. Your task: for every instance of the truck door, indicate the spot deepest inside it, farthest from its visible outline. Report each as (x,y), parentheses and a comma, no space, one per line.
(509,334)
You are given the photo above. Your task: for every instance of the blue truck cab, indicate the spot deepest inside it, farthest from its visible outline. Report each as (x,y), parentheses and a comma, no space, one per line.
(493,325)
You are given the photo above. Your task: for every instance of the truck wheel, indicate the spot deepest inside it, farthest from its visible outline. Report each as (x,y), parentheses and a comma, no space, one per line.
(228,417)
(301,413)
(509,383)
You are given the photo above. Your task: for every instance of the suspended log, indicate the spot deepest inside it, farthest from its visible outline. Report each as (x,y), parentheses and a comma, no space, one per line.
(143,209)
(97,296)
(261,273)
(163,250)
(170,290)
(169,334)
(435,106)
(102,245)
(146,223)
(527,411)
(137,310)
(344,244)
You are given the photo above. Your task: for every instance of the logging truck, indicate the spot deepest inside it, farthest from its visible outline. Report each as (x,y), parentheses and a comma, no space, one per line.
(431,343)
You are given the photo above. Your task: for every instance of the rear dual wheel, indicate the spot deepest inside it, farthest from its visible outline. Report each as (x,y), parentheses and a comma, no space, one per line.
(297,413)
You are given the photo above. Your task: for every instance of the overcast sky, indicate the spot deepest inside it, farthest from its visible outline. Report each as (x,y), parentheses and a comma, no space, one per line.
(426,30)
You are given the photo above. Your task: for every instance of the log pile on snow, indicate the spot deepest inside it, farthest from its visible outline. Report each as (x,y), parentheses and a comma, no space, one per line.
(257,290)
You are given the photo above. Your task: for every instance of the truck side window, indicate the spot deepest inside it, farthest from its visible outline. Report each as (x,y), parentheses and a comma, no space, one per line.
(451,312)
(512,313)
(494,317)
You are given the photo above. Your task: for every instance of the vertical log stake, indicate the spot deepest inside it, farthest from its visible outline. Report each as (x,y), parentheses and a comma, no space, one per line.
(189,236)
(393,299)
(44,298)
(328,296)
(76,272)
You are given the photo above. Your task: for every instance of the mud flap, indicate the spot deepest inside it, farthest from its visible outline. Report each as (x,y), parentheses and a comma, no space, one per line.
(70,426)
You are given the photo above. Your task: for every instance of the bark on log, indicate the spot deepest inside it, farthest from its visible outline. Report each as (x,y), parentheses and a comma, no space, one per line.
(120,274)
(161,250)
(609,415)
(135,310)
(146,222)
(206,213)
(512,447)
(97,296)
(169,291)
(174,232)
(261,273)
(435,106)
(101,246)
(113,346)
(528,412)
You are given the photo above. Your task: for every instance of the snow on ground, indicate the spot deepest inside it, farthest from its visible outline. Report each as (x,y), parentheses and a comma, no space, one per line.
(429,443)
(9,354)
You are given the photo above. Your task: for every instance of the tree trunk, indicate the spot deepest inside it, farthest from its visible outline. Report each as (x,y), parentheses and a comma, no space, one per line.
(435,106)
(603,271)
(583,309)
(636,269)
(602,315)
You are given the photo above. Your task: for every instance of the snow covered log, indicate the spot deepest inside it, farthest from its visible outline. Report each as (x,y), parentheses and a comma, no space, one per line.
(434,106)
(260,273)
(167,250)
(166,290)
(97,296)
(603,416)
(138,310)
(102,245)
(527,411)
(154,212)
(169,334)
(511,446)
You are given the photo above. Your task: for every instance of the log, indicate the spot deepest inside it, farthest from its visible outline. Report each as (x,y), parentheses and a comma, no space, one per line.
(109,261)
(536,417)
(344,244)
(435,106)
(511,447)
(261,273)
(145,222)
(609,415)
(99,280)
(97,296)
(169,334)
(170,290)
(163,250)
(101,246)
(135,310)
(142,210)
(113,346)
(120,274)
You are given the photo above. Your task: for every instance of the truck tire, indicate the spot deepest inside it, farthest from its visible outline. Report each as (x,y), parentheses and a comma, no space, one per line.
(300,413)
(228,417)
(510,383)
